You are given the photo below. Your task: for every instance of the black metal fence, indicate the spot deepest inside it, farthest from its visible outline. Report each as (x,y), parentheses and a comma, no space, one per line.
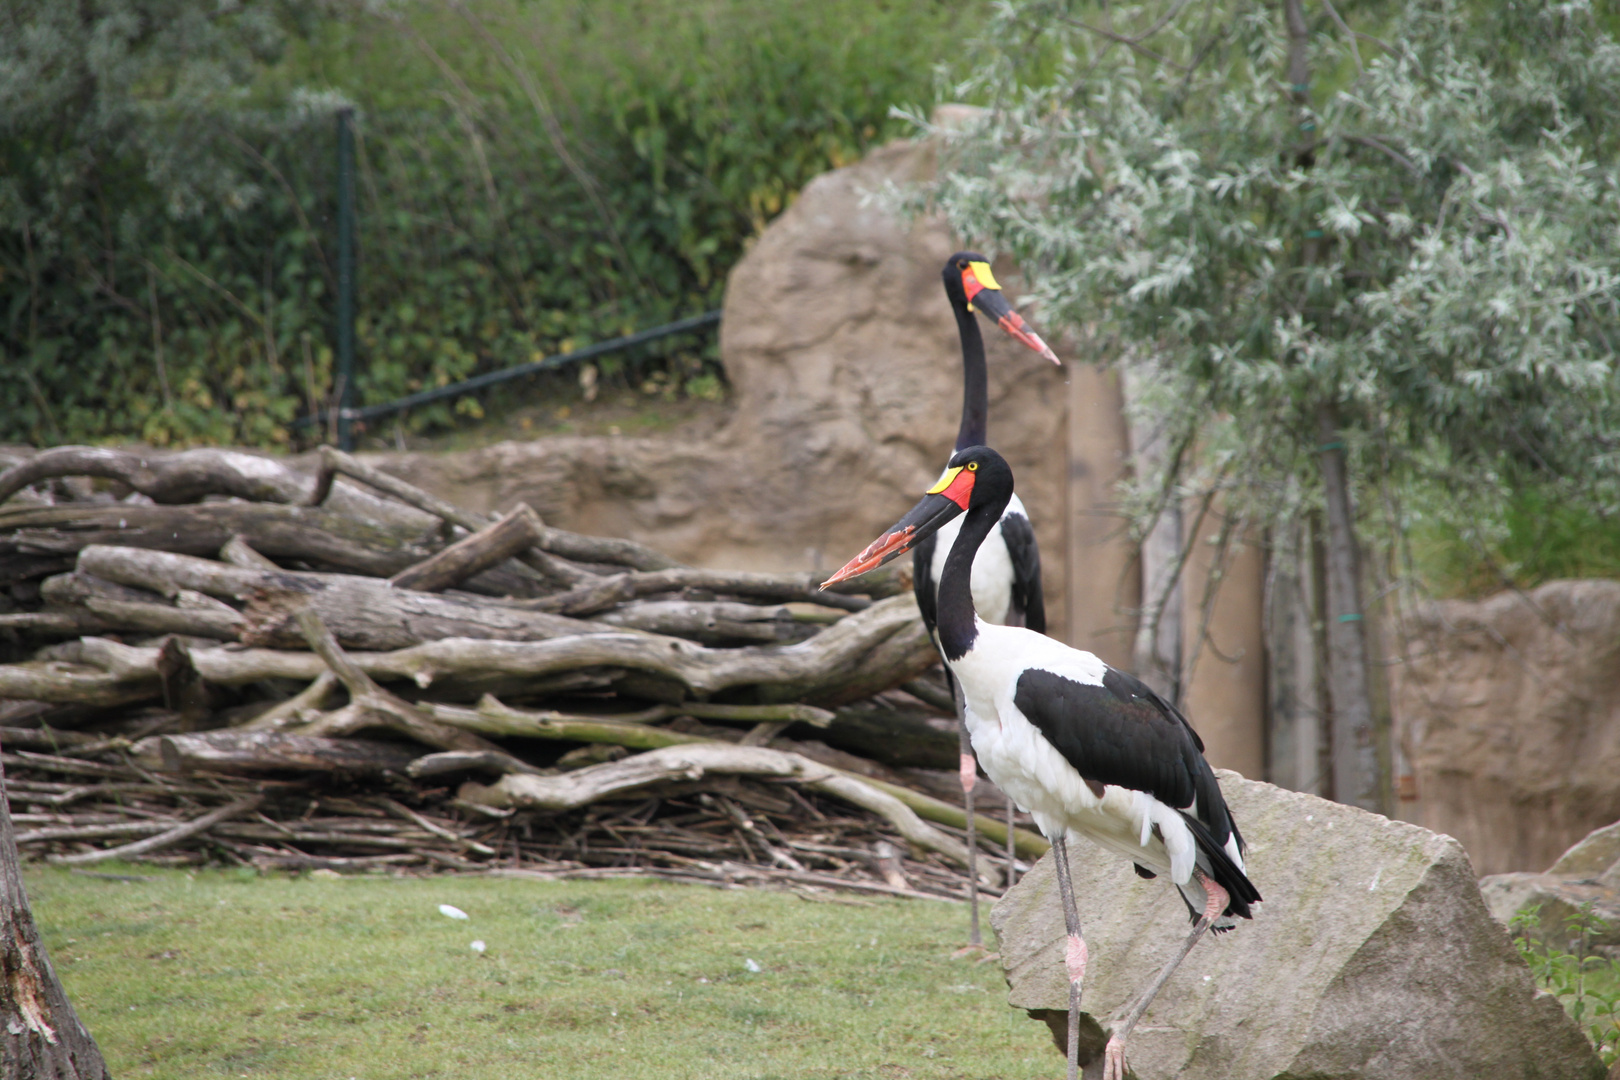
(362,414)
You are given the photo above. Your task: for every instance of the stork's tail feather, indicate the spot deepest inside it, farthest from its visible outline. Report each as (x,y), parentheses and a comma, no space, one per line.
(1223,871)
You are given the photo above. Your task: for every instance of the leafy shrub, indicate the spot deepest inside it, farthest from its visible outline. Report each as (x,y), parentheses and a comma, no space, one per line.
(1524,530)
(532,177)
(1587,984)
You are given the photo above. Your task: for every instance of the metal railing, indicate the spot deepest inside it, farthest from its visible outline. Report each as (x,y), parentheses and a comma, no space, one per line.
(495,378)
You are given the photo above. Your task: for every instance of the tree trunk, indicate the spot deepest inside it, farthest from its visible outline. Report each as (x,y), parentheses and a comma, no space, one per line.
(42,1035)
(1355,753)
(1157,653)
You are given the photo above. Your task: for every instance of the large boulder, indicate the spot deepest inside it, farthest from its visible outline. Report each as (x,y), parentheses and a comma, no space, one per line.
(1372,957)
(1509,711)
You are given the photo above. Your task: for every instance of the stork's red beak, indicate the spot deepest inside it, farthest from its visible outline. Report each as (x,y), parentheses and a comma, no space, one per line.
(944,501)
(994,304)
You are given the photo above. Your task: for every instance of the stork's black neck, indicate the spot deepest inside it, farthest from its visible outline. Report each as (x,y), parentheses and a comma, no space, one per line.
(975,380)
(956,625)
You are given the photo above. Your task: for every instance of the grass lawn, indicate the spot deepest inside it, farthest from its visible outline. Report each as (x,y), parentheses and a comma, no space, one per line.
(226,973)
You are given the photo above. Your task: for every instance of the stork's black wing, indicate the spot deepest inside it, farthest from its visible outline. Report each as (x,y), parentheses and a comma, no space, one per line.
(923,584)
(1122,734)
(1026,563)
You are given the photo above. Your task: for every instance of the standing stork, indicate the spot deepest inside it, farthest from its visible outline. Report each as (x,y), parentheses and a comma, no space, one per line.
(1007,568)
(1082,747)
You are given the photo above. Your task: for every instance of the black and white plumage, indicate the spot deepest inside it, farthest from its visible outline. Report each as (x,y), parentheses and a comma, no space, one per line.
(1006,577)
(1085,748)
(1082,747)
(1007,567)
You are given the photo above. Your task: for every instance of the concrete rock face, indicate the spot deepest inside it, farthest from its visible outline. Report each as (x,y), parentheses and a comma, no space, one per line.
(846,374)
(1588,873)
(1372,957)
(1509,711)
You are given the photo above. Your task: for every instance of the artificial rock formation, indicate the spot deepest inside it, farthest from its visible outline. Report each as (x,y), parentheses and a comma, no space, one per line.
(1372,957)
(1509,711)
(846,380)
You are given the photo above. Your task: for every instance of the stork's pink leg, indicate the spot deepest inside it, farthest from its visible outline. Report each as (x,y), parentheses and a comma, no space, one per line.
(970,775)
(1074,951)
(1114,1052)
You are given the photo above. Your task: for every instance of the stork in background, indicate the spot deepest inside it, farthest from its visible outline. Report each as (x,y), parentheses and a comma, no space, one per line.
(1007,567)
(1082,747)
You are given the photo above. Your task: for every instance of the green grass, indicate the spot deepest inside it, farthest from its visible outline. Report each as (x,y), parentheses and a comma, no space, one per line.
(213,974)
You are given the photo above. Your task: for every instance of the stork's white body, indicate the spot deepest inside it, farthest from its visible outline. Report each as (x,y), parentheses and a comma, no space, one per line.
(1021,762)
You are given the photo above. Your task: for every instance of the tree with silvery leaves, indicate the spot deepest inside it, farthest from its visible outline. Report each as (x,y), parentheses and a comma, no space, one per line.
(1354,256)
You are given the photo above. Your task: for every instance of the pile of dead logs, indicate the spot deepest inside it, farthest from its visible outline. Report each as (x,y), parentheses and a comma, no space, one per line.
(215,657)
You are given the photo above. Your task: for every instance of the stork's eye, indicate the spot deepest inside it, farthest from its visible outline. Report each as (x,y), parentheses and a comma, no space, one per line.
(973,466)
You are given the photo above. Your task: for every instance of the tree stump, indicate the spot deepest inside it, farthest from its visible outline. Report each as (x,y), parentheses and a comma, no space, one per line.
(43,1036)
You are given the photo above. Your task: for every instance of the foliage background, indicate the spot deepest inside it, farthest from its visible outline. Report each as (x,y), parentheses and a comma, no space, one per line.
(533,176)
(1410,254)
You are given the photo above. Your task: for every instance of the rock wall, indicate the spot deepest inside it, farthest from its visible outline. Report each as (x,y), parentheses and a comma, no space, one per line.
(1509,712)
(846,382)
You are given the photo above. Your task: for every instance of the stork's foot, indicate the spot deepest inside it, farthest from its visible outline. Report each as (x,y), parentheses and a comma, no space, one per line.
(1114,1059)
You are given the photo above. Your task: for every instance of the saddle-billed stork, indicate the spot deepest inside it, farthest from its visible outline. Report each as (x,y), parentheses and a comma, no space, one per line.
(1082,747)
(1007,568)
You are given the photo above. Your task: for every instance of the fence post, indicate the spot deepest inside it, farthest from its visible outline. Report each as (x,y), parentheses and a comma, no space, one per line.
(346,281)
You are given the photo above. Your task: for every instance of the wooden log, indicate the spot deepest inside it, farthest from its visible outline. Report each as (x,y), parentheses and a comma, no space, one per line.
(184,692)
(119,607)
(894,737)
(45,539)
(817,671)
(900,657)
(449,761)
(930,693)
(487,547)
(236,751)
(95,832)
(364,613)
(555,542)
(164,478)
(371,705)
(494,718)
(569,791)
(238,552)
(603,593)
(44,738)
(40,1034)
(56,623)
(311,699)
(716,622)
(165,839)
(491,717)
(65,683)
(334,461)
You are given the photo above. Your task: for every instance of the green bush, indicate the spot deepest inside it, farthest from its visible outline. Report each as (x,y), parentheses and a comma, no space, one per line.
(532,177)
(1585,982)
(1529,529)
